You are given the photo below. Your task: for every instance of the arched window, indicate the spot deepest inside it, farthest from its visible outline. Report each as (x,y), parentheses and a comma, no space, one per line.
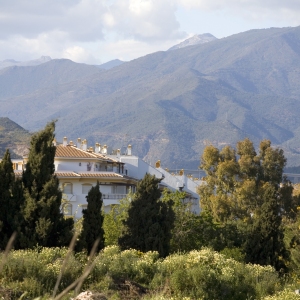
(86,188)
(67,188)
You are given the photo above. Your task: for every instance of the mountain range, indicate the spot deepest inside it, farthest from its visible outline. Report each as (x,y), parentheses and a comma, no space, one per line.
(170,104)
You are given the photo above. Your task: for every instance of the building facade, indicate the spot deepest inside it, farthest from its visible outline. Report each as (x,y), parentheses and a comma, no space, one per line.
(79,167)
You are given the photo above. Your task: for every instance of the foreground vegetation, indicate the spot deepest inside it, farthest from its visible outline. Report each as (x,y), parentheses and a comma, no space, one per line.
(131,274)
(244,245)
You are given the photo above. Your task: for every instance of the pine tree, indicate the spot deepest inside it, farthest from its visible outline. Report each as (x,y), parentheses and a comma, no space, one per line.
(150,221)
(264,244)
(92,228)
(44,222)
(7,179)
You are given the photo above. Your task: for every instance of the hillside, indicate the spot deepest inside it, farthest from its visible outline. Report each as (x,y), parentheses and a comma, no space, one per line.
(13,137)
(169,105)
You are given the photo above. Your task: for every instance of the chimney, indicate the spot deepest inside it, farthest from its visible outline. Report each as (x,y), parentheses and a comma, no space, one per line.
(71,143)
(104,149)
(118,153)
(79,143)
(157,164)
(91,149)
(97,148)
(84,145)
(65,142)
(54,142)
(129,150)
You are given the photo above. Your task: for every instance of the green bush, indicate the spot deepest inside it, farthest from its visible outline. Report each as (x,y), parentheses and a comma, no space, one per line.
(36,271)
(207,274)
(203,274)
(283,295)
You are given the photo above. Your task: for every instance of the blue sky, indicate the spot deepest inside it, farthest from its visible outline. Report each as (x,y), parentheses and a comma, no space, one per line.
(96,31)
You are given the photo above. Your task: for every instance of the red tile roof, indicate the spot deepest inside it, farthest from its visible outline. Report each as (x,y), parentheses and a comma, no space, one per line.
(71,151)
(100,174)
(66,174)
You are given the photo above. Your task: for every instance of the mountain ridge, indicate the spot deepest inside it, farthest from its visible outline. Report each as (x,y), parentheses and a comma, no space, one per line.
(194,40)
(170,104)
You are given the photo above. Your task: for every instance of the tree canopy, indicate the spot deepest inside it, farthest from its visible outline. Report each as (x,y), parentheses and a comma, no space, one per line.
(92,221)
(45,224)
(249,189)
(150,220)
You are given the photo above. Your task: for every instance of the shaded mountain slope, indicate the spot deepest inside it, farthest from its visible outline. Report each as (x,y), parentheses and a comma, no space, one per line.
(169,105)
(13,137)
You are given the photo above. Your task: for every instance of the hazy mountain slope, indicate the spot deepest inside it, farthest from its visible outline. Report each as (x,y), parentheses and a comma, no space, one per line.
(11,62)
(111,64)
(15,81)
(169,105)
(13,137)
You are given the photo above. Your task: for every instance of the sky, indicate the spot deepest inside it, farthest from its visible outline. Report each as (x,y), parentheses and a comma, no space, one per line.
(96,31)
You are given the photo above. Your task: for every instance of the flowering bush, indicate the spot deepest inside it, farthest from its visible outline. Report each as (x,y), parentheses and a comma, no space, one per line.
(283,295)
(209,275)
(203,274)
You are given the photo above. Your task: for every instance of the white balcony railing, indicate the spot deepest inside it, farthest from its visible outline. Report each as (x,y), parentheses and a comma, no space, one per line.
(113,196)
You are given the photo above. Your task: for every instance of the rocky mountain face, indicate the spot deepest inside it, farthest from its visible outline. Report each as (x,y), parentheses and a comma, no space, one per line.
(170,105)
(195,40)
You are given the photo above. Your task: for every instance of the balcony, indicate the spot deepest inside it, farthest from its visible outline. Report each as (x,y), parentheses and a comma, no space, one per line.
(114,196)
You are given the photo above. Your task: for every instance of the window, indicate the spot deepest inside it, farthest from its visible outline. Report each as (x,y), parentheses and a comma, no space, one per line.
(118,189)
(88,166)
(79,164)
(86,188)
(68,188)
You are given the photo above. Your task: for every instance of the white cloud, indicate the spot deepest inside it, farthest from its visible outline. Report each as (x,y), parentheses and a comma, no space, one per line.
(87,30)
(145,20)
(79,54)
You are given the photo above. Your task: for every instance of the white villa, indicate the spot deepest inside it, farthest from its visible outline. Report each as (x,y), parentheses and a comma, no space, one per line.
(79,167)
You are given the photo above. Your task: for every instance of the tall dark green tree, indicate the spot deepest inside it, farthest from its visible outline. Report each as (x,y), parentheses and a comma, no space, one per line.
(150,220)
(92,226)
(7,181)
(45,224)
(265,242)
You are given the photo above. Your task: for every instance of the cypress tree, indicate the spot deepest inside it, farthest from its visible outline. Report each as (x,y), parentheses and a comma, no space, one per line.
(44,222)
(92,221)
(7,179)
(264,244)
(150,221)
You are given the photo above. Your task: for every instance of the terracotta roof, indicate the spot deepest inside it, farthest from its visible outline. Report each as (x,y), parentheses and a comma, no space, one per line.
(100,174)
(66,174)
(70,151)
(73,152)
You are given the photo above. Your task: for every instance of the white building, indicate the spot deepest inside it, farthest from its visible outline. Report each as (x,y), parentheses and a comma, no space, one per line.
(78,168)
